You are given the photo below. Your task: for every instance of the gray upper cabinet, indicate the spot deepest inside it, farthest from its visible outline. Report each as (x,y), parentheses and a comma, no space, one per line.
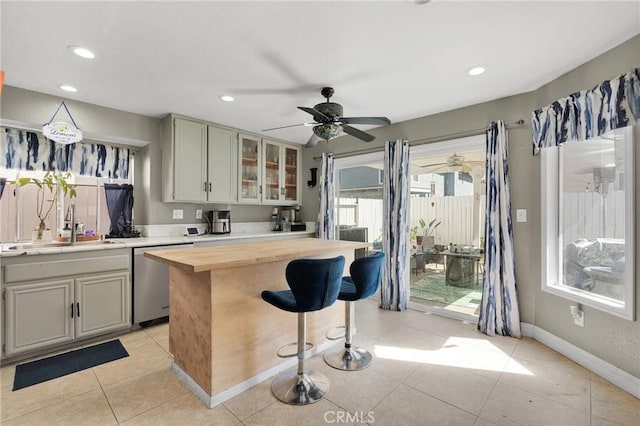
(207,163)
(184,158)
(199,162)
(281,173)
(222,165)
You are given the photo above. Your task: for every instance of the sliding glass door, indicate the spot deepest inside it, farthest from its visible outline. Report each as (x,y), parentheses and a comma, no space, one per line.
(447,225)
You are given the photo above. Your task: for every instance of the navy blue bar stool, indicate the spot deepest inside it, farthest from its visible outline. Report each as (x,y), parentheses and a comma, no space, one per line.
(314,285)
(366,273)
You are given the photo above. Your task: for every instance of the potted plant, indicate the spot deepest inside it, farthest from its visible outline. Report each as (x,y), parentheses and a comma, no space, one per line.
(428,230)
(413,233)
(49,188)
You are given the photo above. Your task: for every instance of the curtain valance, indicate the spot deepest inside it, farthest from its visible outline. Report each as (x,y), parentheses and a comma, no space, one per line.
(586,114)
(25,150)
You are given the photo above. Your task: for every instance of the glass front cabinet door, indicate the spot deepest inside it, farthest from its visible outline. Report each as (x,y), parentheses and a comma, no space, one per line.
(291,179)
(281,173)
(249,171)
(271,154)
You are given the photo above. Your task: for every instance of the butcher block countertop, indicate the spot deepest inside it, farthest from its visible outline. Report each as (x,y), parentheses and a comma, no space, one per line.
(203,259)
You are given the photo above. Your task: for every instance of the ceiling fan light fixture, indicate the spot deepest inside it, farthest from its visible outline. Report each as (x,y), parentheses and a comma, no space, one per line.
(327,131)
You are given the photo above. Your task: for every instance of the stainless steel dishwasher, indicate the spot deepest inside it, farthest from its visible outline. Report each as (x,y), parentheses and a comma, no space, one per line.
(151,285)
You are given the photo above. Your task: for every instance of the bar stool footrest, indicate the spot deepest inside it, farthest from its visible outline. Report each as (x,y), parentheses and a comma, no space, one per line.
(308,346)
(342,336)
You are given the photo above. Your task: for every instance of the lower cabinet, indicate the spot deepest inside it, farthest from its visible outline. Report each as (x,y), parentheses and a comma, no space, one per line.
(48,312)
(38,315)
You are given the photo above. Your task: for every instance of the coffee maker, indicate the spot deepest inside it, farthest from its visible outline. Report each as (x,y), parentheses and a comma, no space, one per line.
(219,221)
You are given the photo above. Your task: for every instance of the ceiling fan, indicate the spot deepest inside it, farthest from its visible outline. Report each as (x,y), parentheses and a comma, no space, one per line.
(453,163)
(329,122)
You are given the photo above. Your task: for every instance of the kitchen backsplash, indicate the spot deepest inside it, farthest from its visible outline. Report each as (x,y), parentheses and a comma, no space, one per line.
(177,230)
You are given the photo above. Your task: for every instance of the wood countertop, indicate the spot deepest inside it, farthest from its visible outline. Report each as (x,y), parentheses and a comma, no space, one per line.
(202,259)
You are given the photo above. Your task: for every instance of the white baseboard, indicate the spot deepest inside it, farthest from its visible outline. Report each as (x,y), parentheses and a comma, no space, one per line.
(213,400)
(607,371)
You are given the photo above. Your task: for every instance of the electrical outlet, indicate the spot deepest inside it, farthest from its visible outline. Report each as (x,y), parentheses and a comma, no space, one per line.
(578,315)
(178,213)
(521,215)
(198,214)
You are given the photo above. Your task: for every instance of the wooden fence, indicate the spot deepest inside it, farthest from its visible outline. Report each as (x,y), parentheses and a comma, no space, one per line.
(455,213)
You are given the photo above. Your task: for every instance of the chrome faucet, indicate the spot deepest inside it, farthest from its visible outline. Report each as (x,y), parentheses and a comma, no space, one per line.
(70,217)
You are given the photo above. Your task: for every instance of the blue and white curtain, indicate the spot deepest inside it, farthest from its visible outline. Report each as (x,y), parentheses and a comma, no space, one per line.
(326,227)
(21,149)
(611,105)
(395,226)
(499,313)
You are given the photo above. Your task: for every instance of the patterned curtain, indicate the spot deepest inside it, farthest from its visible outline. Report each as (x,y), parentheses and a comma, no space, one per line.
(326,228)
(395,226)
(584,115)
(21,149)
(499,313)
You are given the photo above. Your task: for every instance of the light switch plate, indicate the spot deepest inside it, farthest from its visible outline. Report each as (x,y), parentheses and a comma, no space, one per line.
(198,214)
(178,213)
(521,215)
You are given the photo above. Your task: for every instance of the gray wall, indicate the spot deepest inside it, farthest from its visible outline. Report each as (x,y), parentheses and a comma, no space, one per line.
(34,107)
(612,339)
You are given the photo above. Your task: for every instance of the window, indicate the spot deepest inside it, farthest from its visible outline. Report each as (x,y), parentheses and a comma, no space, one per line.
(17,205)
(588,222)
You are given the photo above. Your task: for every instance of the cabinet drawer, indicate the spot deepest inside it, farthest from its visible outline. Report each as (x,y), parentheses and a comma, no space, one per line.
(62,268)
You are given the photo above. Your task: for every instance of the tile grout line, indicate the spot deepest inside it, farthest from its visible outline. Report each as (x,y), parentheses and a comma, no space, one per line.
(105,395)
(442,400)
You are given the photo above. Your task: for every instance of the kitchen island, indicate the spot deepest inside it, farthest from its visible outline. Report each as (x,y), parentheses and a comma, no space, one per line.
(222,335)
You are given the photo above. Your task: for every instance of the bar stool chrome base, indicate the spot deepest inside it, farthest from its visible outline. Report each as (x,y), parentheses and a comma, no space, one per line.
(348,359)
(300,389)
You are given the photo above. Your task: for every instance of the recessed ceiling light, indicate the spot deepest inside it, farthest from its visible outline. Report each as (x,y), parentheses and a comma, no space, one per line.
(226,98)
(476,70)
(83,52)
(68,88)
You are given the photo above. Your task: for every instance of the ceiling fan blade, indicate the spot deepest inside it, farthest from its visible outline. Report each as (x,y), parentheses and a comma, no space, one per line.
(317,115)
(433,168)
(358,133)
(379,121)
(313,141)
(284,127)
(434,164)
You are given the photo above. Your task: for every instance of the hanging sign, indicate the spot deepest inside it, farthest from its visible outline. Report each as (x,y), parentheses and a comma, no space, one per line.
(60,131)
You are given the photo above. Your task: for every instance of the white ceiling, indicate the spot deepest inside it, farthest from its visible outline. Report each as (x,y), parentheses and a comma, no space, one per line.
(396,58)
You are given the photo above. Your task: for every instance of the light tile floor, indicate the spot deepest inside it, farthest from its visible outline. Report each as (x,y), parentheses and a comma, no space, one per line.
(427,370)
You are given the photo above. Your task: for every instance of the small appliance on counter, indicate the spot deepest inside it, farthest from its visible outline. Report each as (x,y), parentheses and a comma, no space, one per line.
(220,221)
(290,220)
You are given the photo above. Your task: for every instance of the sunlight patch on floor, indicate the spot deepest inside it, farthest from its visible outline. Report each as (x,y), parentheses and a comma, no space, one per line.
(456,352)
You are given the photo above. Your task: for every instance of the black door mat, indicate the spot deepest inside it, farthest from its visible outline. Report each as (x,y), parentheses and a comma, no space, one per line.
(56,366)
